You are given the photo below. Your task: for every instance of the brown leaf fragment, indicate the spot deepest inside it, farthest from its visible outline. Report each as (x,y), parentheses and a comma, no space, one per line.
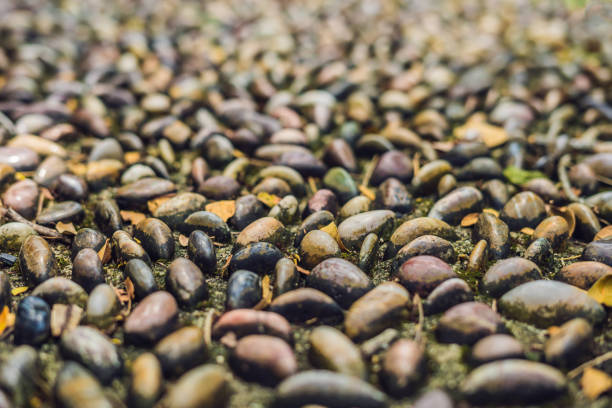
(132,216)
(224,209)
(7,319)
(266,294)
(65,228)
(595,382)
(469,220)
(183,240)
(105,252)
(153,204)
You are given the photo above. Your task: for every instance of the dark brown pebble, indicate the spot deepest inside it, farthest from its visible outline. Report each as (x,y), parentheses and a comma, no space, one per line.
(426,245)
(340,153)
(496,347)
(340,279)
(220,188)
(126,248)
(599,251)
(555,229)
(509,273)
(153,318)
(87,269)
(403,367)
(301,305)
(259,257)
(392,164)
(107,216)
(67,211)
(264,359)
(20,158)
(449,293)
(181,350)
(570,345)
(243,322)
(313,222)
(87,238)
(36,260)
(540,252)
(156,238)
(208,222)
(524,209)
(69,187)
(146,381)
(32,321)
(495,232)
(393,195)
(201,251)
(466,323)
(143,190)
(583,274)
(22,197)
(587,224)
(421,274)
(323,200)
(248,209)
(61,290)
(286,276)
(330,349)
(186,282)
(141,276)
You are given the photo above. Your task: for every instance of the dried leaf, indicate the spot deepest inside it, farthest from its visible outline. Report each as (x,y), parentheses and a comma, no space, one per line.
(19,290)
(65,228)
(64,317)
(132,216)
(367,192)
(491,211)
(131,157)
(269,200)
(492,136)
(601,290)
(527,231)
(105,252)
(519,176)
(332,230)
(129,288)
(595,382)
(604,233)
(229,340)
(238,153)
(7,319)
(312,184)
(469,220)
(266,294)
(224,209)
(77,168)
(302,270)
(183,240)
(153,204)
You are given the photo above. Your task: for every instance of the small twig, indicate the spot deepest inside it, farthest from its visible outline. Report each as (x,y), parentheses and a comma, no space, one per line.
(591,363)
(44,231)
(564,179)
(418,337)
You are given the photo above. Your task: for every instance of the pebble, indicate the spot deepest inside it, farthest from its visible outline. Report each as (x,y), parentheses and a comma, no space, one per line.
(156,238)
(426,245)
(286,276)
(201,251)
(143,190)
(87,269)
(175,210)
(141,276)
(329,389)
(19,158)
(496,347)
(259,257)
(540,252)
(93,350)
(36,260)
(392,195)
(76,387)
(248,210)
(242,322)
(509,273)
(19,374)
(457,204)
(102,307)
(107,216)
(416,227)
(61,290)
(208,222)
(49,170)
(22,197)
(220,188)
(434,399)
(340,279)
(127,249)
(403,367)
(303,304)
(205,386)
(266,229)
(466,323)
(378,309)
(181,350)
(495,232)
(354,229)
(13,234)
(341,183)
(583,273)
(587,224)
(330,349)
(69,187)
(555,229)
(524,209)
(427,179)
(186,282)
(146,381)
(599,251)
(421,274)
(546,303)
(87,238)
(243,290)
(392,164)
(154,317)
(32,321)
(449,293)
(570,344)
(511,381)
(263,359)
(323,200)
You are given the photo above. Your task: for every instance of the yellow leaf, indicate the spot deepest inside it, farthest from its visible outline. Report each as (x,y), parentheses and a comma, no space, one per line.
(65,228)
(595,382)
(367,192)
(268,199)
(491,211)
(132,216)
(19,290)
(469,220)
(527,231)
(492,136)
(266,294)
(238,153)
(224,209)
(601,290)
(183,240)
(153,204)
(7,319)
(105,252)
(332,230)
(131,157)
(19,176)
(116,341)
